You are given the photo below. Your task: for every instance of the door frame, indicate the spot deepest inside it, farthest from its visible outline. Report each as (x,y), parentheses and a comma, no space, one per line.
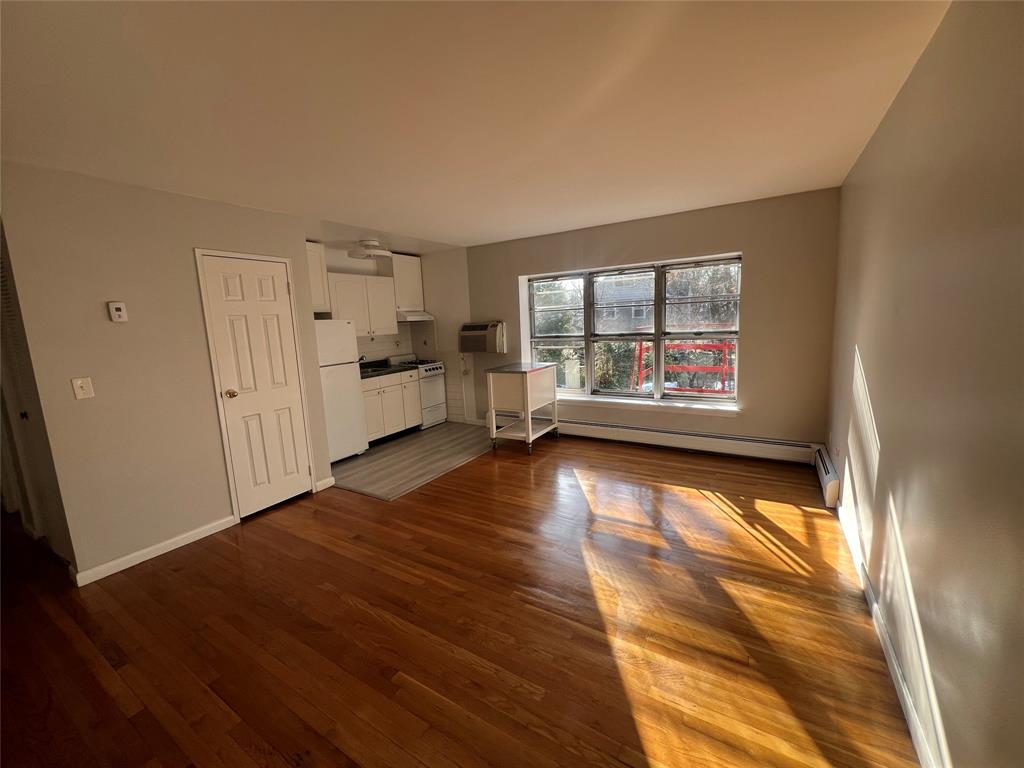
(201,254)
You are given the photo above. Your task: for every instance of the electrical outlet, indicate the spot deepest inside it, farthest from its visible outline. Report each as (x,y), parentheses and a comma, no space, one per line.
(118,311)
(82,387)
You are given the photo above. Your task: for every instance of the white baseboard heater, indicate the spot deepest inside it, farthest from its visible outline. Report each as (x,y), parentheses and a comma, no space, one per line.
(827,475)
(755,447)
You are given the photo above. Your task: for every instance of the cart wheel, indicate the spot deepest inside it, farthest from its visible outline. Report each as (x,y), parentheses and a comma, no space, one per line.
(529,449)
(494,445)
(555,430)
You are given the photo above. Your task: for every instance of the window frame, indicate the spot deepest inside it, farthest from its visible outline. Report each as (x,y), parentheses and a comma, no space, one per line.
(593,337)
(657,337)
(733,333)
(566,340)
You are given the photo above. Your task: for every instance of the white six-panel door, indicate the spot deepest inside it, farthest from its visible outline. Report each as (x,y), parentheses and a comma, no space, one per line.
(250,317)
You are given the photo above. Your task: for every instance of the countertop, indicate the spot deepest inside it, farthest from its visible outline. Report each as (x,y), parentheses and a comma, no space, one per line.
(371,373)
(520,368)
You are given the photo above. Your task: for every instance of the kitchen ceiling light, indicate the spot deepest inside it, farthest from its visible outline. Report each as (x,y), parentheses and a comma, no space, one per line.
(368,249)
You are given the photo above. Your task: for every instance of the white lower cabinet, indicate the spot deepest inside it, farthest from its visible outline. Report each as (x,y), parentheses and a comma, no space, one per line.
(411,402)
(374,414)
(394,409)
(392,403)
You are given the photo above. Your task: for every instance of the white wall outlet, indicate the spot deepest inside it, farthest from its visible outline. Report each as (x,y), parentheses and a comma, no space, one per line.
(83,388)
(118,311)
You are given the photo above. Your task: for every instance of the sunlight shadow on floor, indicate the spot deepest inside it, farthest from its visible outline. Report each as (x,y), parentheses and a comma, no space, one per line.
(739,689)
(619,510)
(759,534)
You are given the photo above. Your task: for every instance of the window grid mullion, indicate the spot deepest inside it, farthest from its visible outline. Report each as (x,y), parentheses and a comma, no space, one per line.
(699,263)
(702,299)
(659,330)
(588,329)
(533,317)
(698,335)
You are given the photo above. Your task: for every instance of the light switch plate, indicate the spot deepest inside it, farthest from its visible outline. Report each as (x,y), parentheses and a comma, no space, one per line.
(83,388)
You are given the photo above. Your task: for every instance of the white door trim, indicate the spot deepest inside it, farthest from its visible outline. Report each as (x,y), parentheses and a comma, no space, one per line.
(202,253)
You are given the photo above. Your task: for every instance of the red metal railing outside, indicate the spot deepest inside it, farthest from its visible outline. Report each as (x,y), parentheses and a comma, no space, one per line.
(724,347)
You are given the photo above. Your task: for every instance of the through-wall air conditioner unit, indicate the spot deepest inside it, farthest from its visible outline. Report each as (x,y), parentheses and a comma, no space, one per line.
(827,475)
(488,336)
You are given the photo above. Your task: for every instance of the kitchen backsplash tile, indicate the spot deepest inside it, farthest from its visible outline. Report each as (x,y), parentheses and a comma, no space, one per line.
(381,347)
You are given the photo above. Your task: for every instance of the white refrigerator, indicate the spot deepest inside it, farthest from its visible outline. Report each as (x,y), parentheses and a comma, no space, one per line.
(343,393)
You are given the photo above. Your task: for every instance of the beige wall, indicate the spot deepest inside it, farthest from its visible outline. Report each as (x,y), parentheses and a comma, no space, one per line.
(446,294)
(143,461)
(927,417)
(446,297)
(789,254)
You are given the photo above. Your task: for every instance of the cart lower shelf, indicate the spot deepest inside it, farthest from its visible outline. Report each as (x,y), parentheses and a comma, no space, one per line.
(517,431)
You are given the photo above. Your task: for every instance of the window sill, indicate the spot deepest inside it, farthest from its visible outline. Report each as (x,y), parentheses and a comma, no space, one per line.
(640,404)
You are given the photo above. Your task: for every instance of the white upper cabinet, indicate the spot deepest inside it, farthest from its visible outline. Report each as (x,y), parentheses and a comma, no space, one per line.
(348,301)
(367,301)
(380,295)
(316,261)
(408,274)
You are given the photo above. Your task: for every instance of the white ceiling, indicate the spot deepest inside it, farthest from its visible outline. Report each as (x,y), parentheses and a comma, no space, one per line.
(458,123)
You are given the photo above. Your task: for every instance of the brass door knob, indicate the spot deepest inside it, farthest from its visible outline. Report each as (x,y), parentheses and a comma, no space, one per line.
(230,393)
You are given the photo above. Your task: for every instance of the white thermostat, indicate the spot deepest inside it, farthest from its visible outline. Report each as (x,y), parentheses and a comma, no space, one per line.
(118,311)
(83,388)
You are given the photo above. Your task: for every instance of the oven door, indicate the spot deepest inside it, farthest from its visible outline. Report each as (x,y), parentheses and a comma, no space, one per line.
(432,397)
(432,391)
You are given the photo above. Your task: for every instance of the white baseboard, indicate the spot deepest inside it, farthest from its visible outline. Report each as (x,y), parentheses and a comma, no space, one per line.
(90,575)
(323,485)
(694,441)
(926,755)
(917,732)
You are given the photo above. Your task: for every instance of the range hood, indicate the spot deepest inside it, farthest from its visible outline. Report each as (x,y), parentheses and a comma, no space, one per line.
(414,316)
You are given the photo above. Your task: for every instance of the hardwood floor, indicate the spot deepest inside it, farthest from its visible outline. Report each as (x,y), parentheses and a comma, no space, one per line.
(592,604)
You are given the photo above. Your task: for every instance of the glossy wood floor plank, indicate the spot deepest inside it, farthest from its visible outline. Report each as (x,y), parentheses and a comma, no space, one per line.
(593,604)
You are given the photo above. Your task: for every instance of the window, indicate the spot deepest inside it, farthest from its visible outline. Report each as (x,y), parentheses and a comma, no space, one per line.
(557,306)
(702,314)
(624,302)
(622,339)
(659,331)
(556,323)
